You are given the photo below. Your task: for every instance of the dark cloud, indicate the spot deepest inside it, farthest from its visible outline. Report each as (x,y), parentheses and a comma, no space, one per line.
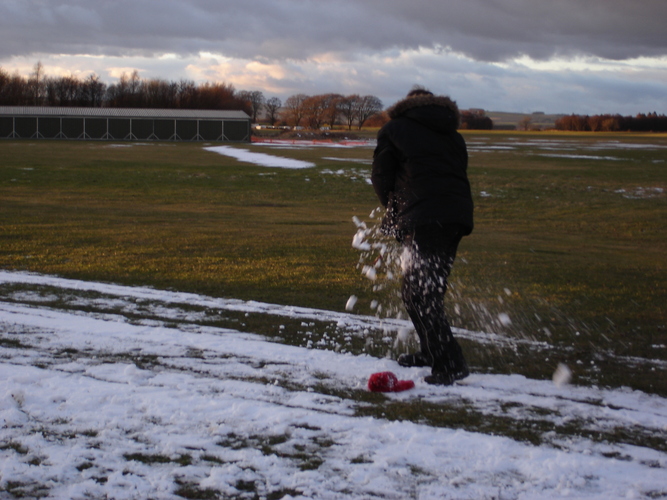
(485,30)
(497,30)
(357,46)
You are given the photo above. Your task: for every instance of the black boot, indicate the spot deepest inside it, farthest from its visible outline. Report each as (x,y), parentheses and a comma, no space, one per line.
(415,359)
(448,371)
(446,377)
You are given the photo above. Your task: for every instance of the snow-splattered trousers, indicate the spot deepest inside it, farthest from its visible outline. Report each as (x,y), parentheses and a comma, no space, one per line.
(428,258)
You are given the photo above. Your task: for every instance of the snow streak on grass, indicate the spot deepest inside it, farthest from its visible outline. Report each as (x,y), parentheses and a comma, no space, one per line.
(122,392)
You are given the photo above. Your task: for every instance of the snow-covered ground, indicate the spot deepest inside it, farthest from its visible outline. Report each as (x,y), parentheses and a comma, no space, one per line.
(120,392)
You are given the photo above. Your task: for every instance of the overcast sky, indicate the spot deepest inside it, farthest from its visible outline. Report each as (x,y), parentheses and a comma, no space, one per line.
(557,56)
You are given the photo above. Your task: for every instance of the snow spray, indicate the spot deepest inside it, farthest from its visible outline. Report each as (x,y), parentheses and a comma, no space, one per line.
(485,316)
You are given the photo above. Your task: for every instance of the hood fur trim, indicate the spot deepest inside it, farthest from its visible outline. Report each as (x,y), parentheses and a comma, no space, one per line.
(409,103)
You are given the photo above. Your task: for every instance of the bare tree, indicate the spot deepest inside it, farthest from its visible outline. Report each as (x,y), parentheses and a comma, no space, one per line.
(134,85)
(331,103)
(294,109)
(127,92)
(255,100)
(118,94)
(347,107)
(186,94)
(36,84)
(14,89)
(18,93)
(272,107)
(524,123)
(94,90)
(367,106)
(157,93)
(64,91)
(315,108)
(5,81)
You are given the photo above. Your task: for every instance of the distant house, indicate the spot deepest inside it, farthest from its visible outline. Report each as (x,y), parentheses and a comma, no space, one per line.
(123,124)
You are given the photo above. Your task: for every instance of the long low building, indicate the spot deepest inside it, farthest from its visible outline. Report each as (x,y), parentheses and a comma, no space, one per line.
(123,124)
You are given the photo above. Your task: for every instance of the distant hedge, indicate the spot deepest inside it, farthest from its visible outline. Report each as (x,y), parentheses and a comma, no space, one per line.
(651,122)
(475,120)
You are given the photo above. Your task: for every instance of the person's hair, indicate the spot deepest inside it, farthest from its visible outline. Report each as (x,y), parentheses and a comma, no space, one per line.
(418,90)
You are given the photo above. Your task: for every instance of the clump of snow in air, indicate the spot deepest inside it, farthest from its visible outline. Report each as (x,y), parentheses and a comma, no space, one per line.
(504,319)
(369,272)
(562,375)
(349,306)
(379,262)
(261,159)
(359,239)
(122,392)
(403,335)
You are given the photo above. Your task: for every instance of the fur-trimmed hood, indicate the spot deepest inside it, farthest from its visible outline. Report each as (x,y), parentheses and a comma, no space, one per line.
(437,112)
(420,166)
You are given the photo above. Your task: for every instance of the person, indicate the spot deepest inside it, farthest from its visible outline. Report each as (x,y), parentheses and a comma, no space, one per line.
(420,176)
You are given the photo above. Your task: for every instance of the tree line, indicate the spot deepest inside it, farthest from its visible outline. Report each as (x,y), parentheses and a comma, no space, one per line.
(131,91)
(299,110)
(475,119)
(328,110)
(651,122)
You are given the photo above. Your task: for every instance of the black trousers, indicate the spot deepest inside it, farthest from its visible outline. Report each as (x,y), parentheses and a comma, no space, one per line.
(428,258)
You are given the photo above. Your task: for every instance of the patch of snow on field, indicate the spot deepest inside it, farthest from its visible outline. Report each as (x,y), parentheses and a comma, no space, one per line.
(306,143)
(624,145)
(583,157)
(107,406)
(127,144)
(366,161)
(639,193)
(261,159)
(509,144)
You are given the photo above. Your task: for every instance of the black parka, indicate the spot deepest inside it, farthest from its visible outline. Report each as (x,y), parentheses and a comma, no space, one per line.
(420,166)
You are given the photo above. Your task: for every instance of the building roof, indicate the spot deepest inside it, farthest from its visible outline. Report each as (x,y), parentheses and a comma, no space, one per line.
(193,114)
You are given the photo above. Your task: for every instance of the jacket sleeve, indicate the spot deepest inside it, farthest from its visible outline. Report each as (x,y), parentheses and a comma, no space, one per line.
(385,166)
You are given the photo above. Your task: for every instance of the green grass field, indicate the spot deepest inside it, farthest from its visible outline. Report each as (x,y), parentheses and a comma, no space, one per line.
(570,238)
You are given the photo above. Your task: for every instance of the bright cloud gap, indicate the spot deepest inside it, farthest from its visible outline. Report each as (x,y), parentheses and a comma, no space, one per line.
(553,85)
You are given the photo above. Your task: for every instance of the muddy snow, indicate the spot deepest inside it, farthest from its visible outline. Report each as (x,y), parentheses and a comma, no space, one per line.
(121,392)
